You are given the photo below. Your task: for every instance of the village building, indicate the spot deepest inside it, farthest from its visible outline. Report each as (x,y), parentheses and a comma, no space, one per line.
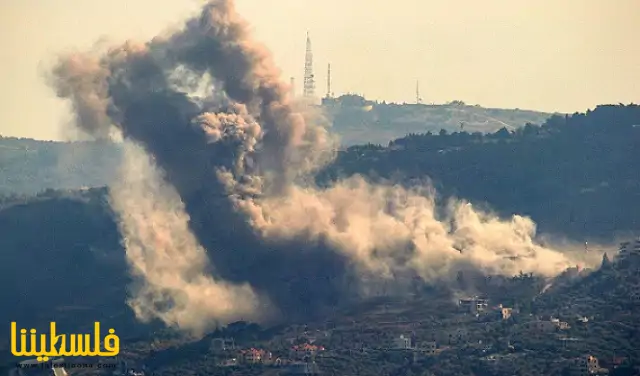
(586,365)
(402,343)
(473,305)
(254,356)
(305,351)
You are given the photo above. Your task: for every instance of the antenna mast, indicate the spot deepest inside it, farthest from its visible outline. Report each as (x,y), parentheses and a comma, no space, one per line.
(418,99)
(329,93)
(309,82)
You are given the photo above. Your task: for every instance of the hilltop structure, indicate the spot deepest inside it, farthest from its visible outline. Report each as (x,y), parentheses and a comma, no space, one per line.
(309,80)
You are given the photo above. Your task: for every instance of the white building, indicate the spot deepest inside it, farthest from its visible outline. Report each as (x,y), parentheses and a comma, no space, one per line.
(474,305)
(403,342)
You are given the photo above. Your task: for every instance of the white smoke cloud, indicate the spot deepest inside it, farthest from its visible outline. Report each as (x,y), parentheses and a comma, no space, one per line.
(276,145)
(161,249)
(387,228)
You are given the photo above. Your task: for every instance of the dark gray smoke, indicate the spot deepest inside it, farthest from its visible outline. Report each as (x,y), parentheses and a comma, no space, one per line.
(231,157)
(195,140)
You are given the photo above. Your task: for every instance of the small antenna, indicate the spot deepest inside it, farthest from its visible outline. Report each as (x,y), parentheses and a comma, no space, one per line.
(418,98)
(329,81)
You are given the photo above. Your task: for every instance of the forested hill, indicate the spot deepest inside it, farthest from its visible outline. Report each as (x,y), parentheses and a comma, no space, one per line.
(576,174)
(29,166)
(359,121)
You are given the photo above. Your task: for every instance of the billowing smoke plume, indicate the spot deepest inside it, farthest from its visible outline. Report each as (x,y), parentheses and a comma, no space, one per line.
(160,248)
(207,104)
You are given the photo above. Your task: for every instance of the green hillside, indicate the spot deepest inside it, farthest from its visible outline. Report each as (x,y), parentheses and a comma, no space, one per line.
(29,166)
(574,175)
(359,121)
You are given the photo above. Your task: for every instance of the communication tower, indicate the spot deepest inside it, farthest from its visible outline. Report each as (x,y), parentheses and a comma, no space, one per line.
(329,93)
(309,81)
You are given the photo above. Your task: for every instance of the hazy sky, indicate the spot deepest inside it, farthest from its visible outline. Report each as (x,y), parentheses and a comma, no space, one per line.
(551,55)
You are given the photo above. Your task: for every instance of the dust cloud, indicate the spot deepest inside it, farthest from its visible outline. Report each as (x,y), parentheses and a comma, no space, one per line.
(219,212)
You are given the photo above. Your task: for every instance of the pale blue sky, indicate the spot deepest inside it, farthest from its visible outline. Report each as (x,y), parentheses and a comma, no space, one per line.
(551,55)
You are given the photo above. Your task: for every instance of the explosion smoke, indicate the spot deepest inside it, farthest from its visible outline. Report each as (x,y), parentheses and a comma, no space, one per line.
(162,250)
(239,159)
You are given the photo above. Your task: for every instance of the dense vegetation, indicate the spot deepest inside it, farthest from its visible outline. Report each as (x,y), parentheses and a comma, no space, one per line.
(29,166)
(61,258)
(358,120)
(359,339)
(576,175)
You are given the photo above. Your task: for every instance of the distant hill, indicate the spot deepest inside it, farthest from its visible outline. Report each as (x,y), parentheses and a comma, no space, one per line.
(62,259)
(29,166)
(75,272)
(60,252)
(575,175)
(360,121)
